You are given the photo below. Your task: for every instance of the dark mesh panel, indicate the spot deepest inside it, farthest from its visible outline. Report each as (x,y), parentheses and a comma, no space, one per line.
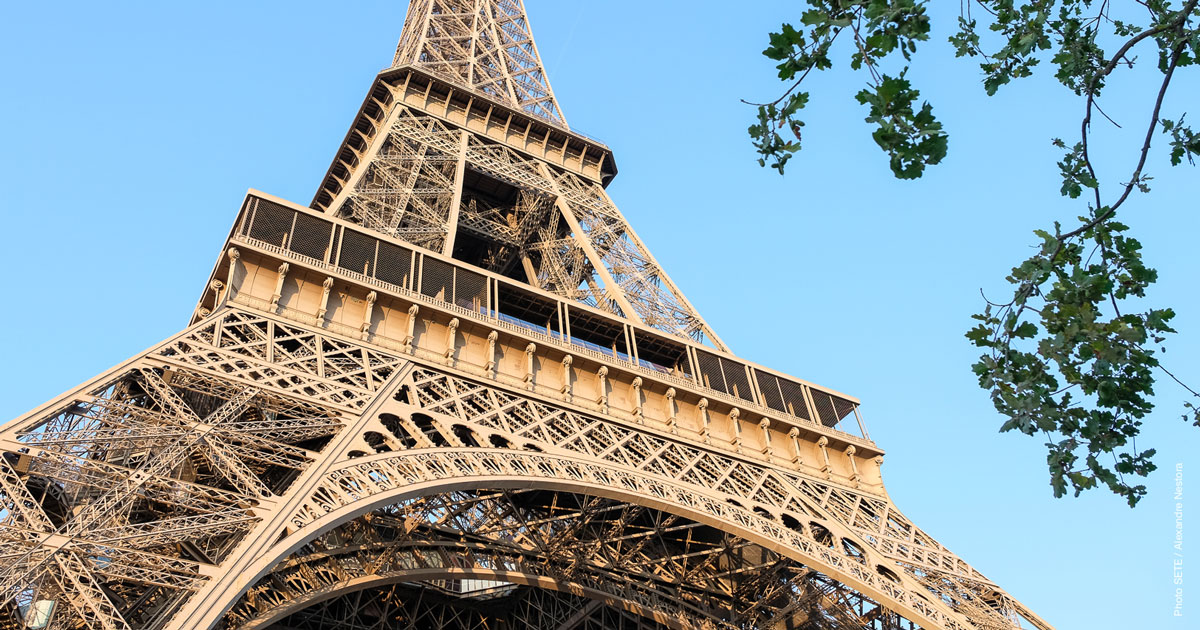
(710,371)
(685,366)
(826,414)
(358,252)
(272,222)
(793,399)
(736,379)
(470,290)
(768,386)
(395,264)
(842,407)
(311,237)
(437,279)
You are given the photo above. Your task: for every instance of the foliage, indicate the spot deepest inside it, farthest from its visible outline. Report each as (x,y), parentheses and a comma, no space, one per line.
(1071,356)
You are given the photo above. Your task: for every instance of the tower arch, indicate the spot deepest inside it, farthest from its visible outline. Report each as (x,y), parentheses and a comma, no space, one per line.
(621,551)
(362,486)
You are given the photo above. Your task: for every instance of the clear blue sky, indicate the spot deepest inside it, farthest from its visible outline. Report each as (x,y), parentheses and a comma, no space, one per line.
(129,133)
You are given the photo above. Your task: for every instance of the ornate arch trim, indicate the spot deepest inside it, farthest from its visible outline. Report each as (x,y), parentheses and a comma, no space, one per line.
(362,485)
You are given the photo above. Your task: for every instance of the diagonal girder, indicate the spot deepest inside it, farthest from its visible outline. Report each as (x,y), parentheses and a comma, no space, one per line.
(76,581)
(115,499)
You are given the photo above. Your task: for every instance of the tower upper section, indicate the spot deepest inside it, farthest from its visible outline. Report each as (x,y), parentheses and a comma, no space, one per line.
(461,149)
(486,45)
(447,202)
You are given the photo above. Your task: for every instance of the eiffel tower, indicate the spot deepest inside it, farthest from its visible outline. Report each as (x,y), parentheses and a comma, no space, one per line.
(457,391)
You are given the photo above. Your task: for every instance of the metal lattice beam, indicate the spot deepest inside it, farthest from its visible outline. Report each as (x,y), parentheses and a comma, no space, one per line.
(486,45)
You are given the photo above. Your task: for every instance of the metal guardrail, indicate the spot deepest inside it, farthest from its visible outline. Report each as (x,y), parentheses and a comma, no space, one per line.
(527,331)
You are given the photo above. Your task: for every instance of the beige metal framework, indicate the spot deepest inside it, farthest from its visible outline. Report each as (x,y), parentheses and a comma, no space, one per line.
(485,45)
(458,392)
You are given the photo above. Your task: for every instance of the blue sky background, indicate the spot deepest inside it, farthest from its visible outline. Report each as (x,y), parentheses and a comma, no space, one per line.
(129,133)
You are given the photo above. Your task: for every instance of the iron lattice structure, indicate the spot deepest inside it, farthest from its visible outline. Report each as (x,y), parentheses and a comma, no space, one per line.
(457,391)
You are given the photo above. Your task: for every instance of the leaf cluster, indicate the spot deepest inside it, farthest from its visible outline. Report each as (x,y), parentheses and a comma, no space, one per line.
(878,30)
(1063,361)
(1071,356)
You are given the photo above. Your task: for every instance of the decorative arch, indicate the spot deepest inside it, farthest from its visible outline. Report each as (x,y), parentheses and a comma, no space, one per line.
(669,570)
(365,484)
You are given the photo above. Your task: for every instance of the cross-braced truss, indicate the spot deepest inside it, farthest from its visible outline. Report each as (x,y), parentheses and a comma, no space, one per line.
(449,190)
(115,501)
(483,44)
(144,500)
(409,188)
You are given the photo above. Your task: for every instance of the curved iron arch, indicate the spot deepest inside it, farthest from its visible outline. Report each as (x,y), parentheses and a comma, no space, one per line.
(361,485)
(634,571)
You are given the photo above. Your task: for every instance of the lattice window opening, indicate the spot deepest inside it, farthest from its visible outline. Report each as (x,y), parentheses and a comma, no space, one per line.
(506,164)
(500,222)
(493,193)
(488,244)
